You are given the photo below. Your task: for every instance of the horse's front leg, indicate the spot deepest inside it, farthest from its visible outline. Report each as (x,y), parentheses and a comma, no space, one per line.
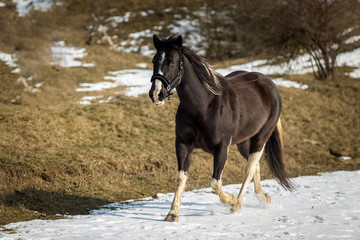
(220,156)
(183,154)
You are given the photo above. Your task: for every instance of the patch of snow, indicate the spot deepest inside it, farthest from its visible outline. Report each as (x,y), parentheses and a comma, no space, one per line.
(351,59)
(10,60)
(146,33)
(66,56)
(289,84)
(352,39)
(300,65)
(115,20)
(95,87)
(23,7)
(326,206)
(107,100)
(260,66)
(2,4)
(146,51)
(355,73)
(142,65)
(87,99)
(136,81)
(190,28)
(38,85)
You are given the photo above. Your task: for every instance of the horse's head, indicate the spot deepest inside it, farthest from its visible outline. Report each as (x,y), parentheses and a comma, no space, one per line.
(167,68)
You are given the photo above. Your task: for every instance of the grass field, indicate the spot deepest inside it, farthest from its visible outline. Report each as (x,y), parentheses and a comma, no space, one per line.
(58,157)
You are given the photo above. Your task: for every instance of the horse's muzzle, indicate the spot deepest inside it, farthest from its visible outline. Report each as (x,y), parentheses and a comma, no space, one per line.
(157,93)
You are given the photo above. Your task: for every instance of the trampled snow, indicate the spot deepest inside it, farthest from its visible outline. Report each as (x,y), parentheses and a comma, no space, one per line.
(323,207)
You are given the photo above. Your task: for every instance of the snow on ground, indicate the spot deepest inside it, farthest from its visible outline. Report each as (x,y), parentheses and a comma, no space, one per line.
(2,4)
(24,7)
(10,60)
(137,82)
(66,56)
(323,207)
(351,59)
(188,27)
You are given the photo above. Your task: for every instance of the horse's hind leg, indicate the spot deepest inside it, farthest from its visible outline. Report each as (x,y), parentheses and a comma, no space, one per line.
(253,160)
(258,190)
(244,149)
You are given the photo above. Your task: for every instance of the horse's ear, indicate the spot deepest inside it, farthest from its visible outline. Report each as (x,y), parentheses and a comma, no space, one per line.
(179,41)
(156,41)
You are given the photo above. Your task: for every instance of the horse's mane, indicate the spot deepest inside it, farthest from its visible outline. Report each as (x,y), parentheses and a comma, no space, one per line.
(209,78)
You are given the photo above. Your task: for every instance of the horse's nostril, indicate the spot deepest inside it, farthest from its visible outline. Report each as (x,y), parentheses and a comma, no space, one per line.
(160,96)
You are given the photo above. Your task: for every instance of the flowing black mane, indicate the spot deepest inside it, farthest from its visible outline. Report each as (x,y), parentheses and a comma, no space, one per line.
(211,80)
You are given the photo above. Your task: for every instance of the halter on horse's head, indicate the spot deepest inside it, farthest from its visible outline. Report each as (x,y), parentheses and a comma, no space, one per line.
(168,68)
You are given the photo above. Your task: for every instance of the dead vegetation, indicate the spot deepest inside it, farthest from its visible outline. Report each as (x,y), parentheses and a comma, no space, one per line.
(59,157)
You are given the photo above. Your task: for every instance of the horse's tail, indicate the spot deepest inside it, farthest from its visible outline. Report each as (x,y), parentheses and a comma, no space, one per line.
(275,158)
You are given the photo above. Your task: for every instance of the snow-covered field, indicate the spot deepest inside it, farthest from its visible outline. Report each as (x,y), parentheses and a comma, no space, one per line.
(326,206)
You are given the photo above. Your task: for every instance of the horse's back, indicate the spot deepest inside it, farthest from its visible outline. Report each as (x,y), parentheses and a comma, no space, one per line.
(235,74)
(242,80)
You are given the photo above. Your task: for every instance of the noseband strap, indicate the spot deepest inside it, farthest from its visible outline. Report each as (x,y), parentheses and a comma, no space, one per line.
(169,85)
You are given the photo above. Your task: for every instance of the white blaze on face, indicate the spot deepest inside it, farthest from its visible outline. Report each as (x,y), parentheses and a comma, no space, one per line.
(158,83)
(161,63)
(158,86)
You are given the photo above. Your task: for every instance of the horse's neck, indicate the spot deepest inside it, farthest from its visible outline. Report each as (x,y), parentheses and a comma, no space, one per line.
(192,94)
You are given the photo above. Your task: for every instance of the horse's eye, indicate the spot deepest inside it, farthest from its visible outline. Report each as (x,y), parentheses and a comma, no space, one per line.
(172,63)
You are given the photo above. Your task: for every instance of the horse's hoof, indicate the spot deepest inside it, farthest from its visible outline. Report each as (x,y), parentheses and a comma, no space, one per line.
(171,218)
(263,197)
(235,208)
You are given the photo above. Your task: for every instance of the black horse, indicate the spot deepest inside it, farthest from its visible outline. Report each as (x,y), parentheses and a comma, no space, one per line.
(242,108)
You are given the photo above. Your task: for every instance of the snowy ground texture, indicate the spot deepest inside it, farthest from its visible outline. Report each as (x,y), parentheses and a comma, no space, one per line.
(323,207)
